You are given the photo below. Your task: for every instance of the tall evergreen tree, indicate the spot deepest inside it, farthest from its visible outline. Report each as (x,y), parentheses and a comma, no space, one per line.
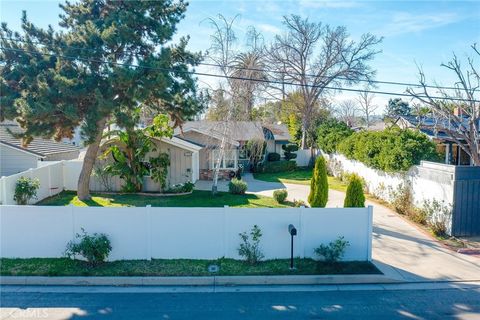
(318,196)
(108,58)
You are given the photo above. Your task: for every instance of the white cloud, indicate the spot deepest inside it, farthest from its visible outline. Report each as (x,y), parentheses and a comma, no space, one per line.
(404,22)
(268,28)
(304,4)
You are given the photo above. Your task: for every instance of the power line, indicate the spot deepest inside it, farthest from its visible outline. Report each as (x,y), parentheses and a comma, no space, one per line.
(237,78)
(277,71)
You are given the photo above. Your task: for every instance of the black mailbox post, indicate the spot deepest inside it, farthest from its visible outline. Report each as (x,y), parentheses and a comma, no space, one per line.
(293,232)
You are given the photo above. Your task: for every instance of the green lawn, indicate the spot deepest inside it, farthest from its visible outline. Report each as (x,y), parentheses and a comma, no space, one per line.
(300,176)
(179,267)
(196,199)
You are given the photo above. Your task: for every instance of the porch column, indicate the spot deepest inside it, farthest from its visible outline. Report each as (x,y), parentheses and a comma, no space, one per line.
(448,154)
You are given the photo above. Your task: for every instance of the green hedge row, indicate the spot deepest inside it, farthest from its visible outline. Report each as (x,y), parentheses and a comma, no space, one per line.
(277,166)
(389,150)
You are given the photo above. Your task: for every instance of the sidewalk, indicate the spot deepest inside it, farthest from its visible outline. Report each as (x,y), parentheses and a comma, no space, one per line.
(400,248)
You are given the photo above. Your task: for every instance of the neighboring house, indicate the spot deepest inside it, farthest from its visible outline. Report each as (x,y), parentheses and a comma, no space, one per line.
(14,158)
(184,164)
(209,134)
(432,128)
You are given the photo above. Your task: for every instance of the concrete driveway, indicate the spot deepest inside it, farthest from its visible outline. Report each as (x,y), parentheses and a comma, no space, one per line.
(400,249)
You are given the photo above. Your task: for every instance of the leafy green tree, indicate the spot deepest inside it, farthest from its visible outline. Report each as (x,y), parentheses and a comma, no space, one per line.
(318,196)
(354,197)
(289,151)
(107,58)
(331,133)
(397,107)
(129,149)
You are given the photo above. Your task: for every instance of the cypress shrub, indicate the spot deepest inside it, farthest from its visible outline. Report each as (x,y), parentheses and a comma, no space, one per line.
(355,197)
(318,196)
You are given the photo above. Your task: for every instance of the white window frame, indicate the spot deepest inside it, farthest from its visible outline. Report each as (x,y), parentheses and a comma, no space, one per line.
(213,159)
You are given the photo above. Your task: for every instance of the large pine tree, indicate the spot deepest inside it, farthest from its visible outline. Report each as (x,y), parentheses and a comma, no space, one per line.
(107,58)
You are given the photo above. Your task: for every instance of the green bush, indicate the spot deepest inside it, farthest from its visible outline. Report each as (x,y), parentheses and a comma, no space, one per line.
(277,166)
(273,156)
(299,203)
(389,150)
(334,251)
(355,197)
(250,246)
(289,151)
(25,190)
(237,186)
(331,133)
(280,195)
(94,248)
(318,196)
(181,188)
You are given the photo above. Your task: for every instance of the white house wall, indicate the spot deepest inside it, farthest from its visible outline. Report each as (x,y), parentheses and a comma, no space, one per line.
(13,161)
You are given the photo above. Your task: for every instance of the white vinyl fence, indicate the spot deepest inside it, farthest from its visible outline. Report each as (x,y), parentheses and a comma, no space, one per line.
(190,233)
(304,156)
(52,181)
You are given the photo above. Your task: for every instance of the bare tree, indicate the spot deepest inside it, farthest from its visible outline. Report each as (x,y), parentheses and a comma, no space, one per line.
(366,105)
(463,126)
(242,72)
(346,111)
(315,56)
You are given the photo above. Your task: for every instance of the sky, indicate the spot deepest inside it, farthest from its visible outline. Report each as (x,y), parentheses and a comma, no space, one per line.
(415,33)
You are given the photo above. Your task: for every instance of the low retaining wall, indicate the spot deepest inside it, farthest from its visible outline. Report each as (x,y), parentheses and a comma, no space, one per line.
(189,233)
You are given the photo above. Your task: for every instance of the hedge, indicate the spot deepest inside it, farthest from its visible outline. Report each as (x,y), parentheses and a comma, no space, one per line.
(331,133)
(277,166)
(389,150)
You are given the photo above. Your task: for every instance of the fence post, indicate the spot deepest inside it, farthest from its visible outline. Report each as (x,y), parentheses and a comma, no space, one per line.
(301,233)
(3,186)
(49,170)
(225,232)
(148,208)
(369,232)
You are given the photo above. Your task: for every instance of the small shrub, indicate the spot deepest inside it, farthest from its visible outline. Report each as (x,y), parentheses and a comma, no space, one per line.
(438,214)
(402,199)
(280,195)
(180,188)
(273,156)
(236,186)
(355,197)
(318,196)
(277,166)
(289,151)
(94,248)
(334,251)
(25,190)
(250,246)
(299,203)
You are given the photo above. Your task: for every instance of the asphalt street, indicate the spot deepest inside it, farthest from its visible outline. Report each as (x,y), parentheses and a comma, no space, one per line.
(148,303)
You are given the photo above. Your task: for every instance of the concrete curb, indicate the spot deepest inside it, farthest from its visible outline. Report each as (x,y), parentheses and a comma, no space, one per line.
(197,281)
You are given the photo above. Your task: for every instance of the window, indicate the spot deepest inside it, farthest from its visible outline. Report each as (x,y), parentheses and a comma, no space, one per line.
(229,160)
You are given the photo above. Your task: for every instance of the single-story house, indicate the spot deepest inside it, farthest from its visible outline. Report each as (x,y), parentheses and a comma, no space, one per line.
(432,127)
(15,158)
(184,164)
(209,135)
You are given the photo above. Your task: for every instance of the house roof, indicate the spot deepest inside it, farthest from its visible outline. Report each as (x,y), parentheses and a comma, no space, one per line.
(431,126)
(39,147)
(239,130)
(184,144)
(280,131)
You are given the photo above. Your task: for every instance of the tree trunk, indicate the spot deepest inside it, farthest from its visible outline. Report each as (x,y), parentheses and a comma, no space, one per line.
(83,187)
